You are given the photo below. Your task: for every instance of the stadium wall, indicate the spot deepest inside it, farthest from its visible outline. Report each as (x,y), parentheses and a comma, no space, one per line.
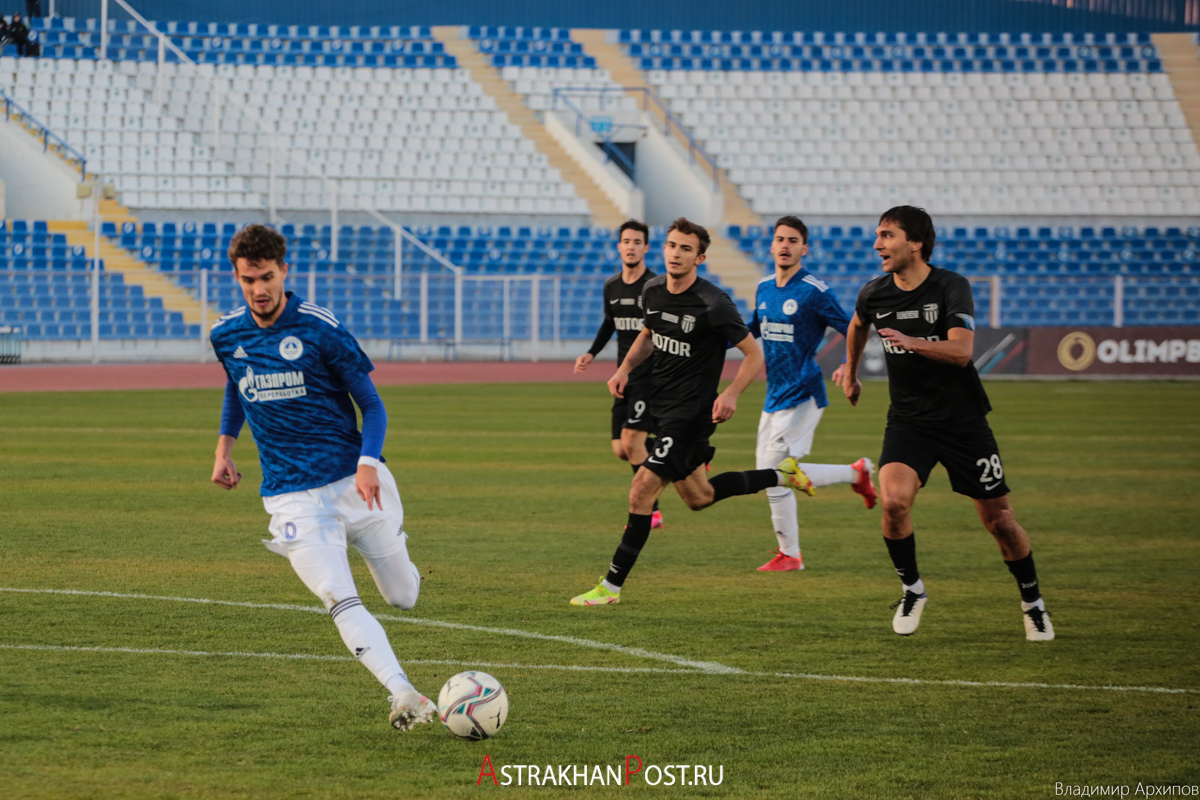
(1060,351)
(996,16)
(39,185)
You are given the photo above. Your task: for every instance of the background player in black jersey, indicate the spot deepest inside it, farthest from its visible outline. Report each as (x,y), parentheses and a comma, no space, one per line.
(688,326)
(631,420)
(926,318)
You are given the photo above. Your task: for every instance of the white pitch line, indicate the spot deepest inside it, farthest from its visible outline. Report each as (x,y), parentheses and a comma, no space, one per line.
(700,666)
(156,651)
(694,667)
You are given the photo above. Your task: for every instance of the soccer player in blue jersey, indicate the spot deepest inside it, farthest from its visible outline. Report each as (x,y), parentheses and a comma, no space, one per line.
(792,309)
(293,371)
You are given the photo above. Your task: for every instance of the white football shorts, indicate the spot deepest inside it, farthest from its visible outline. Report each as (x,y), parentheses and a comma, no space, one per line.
(786,433)
(334,514)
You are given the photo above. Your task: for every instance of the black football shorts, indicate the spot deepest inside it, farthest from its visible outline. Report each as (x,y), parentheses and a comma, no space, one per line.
(633,410)
(968,452)
(681,446)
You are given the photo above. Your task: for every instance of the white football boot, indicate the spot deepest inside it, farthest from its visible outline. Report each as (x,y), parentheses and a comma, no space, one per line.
(410,709)
(1037,625)
(908,613)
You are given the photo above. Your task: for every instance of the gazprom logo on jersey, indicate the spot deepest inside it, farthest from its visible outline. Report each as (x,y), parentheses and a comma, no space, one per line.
(778,331)
(271,386)
(672,346)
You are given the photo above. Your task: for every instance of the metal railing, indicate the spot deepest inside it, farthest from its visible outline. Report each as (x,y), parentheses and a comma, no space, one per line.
(51,141)
(611,153)
(441,309)
(223,96)
(651,103)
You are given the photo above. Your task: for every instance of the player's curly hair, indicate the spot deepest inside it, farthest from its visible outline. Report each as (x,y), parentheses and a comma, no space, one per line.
(792,221)
(917,226)
(689,228)
(257,243)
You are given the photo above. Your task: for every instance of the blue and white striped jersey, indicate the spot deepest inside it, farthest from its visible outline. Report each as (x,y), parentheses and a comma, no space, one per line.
(791,322)
(293,380)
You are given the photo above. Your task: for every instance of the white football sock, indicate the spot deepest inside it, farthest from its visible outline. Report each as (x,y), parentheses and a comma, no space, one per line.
(916,588)
(829,474)
(368,642)
(610,586)
(784,518)
(1039,603)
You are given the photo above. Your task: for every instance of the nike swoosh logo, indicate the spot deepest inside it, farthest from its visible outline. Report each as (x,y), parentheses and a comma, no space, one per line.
(651,312)
(993,486)
(614,302)
(652,461)
(881,316)
(635,419)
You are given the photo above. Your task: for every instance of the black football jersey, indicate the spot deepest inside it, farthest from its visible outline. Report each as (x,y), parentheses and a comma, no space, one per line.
(692,330)
(923,389)
(623,314)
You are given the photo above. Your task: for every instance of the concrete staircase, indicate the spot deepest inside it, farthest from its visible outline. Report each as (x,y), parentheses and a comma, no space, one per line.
(725,258)
(135,272)
(1181,61)
(603,211)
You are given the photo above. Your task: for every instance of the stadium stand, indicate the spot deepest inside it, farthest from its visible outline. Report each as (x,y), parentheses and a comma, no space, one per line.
(1035,125)
(1056,124)
(407,133)
(45,289)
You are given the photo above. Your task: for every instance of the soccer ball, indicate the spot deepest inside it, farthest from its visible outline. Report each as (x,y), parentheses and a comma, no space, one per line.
(473,705)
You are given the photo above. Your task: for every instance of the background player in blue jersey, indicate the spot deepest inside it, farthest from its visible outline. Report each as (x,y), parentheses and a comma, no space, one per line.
(792,309)
(293,370)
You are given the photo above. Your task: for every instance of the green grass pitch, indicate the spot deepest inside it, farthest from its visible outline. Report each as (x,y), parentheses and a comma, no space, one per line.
(514,503)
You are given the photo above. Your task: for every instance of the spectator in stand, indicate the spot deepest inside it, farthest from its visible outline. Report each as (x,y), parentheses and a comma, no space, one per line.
(18,34)
(3,31)
(33,8)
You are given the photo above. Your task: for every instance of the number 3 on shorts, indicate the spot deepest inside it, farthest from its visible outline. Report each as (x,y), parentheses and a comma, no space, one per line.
(664,447)
(992,469)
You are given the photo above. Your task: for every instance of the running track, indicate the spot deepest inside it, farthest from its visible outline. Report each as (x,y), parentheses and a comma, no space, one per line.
(92,377)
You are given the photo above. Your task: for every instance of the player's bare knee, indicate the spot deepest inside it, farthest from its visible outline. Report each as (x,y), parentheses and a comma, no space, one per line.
(895,510)
(619,450)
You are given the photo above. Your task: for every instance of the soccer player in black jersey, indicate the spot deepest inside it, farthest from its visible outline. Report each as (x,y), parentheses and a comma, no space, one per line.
(631,421)
(688,325)
(925,316)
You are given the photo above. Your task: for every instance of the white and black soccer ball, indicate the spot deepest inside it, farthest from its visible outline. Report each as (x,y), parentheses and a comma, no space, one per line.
(473,705)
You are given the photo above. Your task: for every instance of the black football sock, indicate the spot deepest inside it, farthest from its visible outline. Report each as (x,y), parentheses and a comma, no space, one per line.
(1026,574)
(637,531)
(729,484)
(636,467)
(904,557)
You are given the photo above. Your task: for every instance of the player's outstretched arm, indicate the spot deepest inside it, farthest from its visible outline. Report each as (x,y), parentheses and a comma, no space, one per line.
(639,351)
(374,428)
(957,349)
(607,329)
(856,340)
(233,417)
(225,472)
(726,402)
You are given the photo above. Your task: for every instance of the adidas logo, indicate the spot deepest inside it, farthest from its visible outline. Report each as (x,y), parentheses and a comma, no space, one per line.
(239,353)
(359,652)
(762,305)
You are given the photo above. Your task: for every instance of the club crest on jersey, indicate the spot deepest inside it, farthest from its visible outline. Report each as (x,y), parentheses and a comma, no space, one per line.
(291,348)
(790,306)
(930,312)
(688,323)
